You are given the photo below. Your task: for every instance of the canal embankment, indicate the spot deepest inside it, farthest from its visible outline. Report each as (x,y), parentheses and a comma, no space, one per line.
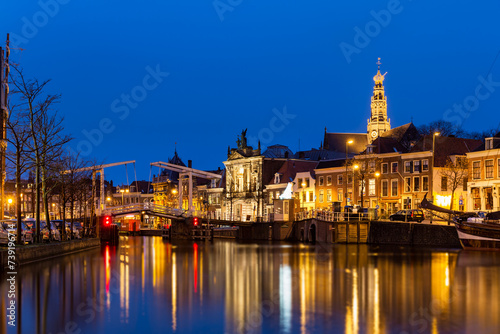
(31,253)
(371,232)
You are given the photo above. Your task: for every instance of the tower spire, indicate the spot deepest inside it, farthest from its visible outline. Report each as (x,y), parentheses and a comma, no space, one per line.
(378,123)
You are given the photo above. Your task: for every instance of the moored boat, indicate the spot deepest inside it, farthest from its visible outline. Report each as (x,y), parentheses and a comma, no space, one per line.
(474,232)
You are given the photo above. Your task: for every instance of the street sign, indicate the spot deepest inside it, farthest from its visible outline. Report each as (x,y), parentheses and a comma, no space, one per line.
(348,199)
(377,207)
(461,202)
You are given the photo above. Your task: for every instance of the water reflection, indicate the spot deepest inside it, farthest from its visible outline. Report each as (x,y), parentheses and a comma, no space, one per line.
(148,285)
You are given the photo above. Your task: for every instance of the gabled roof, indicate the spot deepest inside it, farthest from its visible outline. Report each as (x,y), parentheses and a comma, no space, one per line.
(387,145)
(337,142)
(445,147)
(291,167)
(331,163)
(317,155)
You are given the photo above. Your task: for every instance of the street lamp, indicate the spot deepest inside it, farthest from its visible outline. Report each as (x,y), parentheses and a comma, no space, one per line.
(9,202)
(123,191)
(347,143)
(432,166)
(377,175)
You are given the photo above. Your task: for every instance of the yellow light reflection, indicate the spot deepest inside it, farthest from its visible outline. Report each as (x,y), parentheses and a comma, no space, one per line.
(174,293)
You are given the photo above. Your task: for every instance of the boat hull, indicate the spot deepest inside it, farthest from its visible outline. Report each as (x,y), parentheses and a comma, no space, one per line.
(480,236)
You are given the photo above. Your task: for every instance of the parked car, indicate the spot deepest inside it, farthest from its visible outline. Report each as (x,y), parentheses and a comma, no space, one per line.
(53,235)
(4,235)
(26,233)
(408,215)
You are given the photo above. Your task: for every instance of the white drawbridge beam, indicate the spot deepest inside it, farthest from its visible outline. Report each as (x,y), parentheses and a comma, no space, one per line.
(186,172)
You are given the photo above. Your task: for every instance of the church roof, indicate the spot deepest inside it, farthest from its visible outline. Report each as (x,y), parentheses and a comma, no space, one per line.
(337,142)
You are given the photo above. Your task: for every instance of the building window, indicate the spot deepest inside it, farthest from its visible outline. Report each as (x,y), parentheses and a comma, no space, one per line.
(276,178)
(444,183)
(407,184)
(300,183)
(339,195)
(425,183)
(425,165)
(349,178)
(339,180)
(329,195)
(306,180)
(329,180)
(476,198)
(321,195)
(311,196)
(371,166)
(321,181)
(407,166)
(394,188)
(476,170)
(416,166)
(416,184)
(464,184)
(304,197)
(489,168)
(371,187)
(385,188)
(385,168)
(394,167)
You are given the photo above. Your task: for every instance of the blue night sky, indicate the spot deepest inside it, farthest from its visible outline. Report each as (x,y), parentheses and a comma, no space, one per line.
(235,64)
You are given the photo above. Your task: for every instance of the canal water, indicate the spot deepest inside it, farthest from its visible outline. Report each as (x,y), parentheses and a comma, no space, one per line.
(148,285)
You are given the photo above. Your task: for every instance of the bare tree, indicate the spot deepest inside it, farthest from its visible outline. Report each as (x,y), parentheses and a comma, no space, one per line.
(46,134)
(456,173)
(19,135)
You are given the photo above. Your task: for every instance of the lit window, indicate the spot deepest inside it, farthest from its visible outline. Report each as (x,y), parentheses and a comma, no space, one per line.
(321,196)
(329,180)
(476,170)
(489,168)
(425,165)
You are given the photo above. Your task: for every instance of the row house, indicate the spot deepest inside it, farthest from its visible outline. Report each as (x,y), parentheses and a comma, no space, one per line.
(389,176)
(483,187)
(295,179)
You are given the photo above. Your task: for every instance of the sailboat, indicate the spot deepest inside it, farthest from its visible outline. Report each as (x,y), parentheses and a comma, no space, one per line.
(473,233)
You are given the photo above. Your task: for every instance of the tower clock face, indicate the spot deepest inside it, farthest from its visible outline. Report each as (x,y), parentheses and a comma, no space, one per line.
(374,134)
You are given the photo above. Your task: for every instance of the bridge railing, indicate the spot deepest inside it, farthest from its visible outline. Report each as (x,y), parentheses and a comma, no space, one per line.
(116,210)
(328,216)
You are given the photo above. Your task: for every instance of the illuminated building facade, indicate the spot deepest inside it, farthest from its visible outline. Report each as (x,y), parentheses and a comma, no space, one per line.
(483,187)
(378,123)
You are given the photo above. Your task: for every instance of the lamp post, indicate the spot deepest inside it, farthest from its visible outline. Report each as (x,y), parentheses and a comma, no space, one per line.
(347,143)
(432,166)
(123,191)
(377,175)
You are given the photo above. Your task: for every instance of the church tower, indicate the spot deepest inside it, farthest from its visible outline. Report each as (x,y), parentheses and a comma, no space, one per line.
(378,122)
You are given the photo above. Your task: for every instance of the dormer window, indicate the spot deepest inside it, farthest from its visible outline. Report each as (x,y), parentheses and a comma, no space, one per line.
(277,178)
(213,183)
(369,149)
(489,143)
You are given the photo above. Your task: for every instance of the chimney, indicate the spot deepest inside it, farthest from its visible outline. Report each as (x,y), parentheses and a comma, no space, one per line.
(190,163)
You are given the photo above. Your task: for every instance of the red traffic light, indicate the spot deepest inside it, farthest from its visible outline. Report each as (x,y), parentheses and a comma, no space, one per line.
(195,221)
(107,220)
